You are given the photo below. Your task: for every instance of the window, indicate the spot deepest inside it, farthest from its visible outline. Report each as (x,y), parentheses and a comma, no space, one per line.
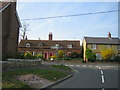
(28,45)
(93,46)
(40,45)
(68,53)
(70,46)
(33,53)
(98,56)
(118,47)
(57,45)
(108,46)
(40,52)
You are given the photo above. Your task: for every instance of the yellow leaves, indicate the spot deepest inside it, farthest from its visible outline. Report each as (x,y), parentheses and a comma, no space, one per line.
(107,53)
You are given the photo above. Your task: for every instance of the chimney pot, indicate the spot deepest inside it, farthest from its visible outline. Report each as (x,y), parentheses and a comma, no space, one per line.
(50,36)
(109,35)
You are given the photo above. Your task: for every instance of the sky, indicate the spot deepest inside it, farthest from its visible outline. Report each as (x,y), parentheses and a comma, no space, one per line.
(69,28)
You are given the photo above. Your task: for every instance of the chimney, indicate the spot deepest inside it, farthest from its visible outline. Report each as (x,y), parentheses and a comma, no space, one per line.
(26,38)
(50,36)
(109,35)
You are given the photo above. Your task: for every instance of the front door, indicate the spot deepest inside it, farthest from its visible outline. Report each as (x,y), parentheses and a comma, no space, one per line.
(46,55)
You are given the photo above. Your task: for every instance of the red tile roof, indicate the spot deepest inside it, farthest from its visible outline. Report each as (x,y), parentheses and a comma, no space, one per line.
(47,44)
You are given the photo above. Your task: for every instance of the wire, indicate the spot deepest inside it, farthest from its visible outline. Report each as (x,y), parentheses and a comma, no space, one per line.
(70,15)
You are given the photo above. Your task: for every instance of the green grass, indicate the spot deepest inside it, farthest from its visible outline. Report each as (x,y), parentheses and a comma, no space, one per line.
(10,80)
(63,67)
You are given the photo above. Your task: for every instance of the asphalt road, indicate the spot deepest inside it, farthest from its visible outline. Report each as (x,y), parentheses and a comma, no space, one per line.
(100,76)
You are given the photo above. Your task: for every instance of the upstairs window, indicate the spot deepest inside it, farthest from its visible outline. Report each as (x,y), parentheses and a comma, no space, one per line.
(70,46)
(108,46)
(57,45)
(40,45)
(118,47)
(93,46)
(28,45)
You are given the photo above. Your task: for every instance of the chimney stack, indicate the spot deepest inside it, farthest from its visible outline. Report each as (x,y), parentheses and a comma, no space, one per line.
(109,35)
(26,38)
(50,36)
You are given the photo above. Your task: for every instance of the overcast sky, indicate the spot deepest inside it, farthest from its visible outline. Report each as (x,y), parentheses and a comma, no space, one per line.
(70,28)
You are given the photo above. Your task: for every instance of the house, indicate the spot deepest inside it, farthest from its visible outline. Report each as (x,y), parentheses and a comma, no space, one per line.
(49,47)
(97,44)
(10,24)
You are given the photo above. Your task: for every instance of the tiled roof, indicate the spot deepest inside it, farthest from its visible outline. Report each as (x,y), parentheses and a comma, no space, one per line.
(102,40)
(48,43)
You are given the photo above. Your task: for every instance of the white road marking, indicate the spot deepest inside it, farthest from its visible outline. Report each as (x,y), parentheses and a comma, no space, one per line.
(101,72)
(66,65)
(84,66)
(103,88)
(90,66)
(103,79)
(71,65)
(78,65)
(98,67)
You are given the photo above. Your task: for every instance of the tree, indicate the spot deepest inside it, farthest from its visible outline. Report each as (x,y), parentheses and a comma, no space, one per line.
(24,30)
(60,54)
(90,55)
(107,53)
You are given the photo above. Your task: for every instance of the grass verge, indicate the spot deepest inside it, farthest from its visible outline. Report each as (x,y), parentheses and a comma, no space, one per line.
(63,67)
(10,77)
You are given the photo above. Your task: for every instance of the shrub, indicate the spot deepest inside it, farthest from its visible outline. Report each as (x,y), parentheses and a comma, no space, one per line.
(20,55)
(40,56)
(67,58)
(107,54)
(60,54)
(28,55)
(54,56)
(90,55)
(74,55)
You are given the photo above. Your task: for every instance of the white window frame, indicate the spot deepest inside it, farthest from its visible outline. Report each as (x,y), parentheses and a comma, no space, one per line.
(94,46)
(27,44)
(57,45)
(98,56)
(109,46)
(40,45)
(70,46)
(33,53)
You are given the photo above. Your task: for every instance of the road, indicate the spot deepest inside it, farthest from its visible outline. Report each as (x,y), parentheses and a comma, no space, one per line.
(92,76)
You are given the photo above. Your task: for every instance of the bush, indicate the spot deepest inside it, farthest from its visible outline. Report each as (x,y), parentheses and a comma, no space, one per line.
(28,55)
(40,56)
(74,55)
(67,58)
(90,55)
(20,55)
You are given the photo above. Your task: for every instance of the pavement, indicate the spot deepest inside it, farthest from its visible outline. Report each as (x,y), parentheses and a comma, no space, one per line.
(98,75)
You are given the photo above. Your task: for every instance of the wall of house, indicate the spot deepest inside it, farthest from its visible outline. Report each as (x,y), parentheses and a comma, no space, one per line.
(100,47)
(10,29)
(48,51)
(0,37)
(14,32)
(84,48)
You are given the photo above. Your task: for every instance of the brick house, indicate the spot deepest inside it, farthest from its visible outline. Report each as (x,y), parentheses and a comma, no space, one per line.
(10,24)
(96,44)
(49,47)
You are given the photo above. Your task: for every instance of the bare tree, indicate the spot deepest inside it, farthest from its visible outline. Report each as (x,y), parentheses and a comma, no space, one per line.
(23,30)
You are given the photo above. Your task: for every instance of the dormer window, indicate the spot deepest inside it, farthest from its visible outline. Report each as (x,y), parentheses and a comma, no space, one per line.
(40,45)
(70,46)
(28,45)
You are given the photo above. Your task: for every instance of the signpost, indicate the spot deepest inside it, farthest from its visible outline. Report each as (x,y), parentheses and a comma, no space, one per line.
(57,47)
